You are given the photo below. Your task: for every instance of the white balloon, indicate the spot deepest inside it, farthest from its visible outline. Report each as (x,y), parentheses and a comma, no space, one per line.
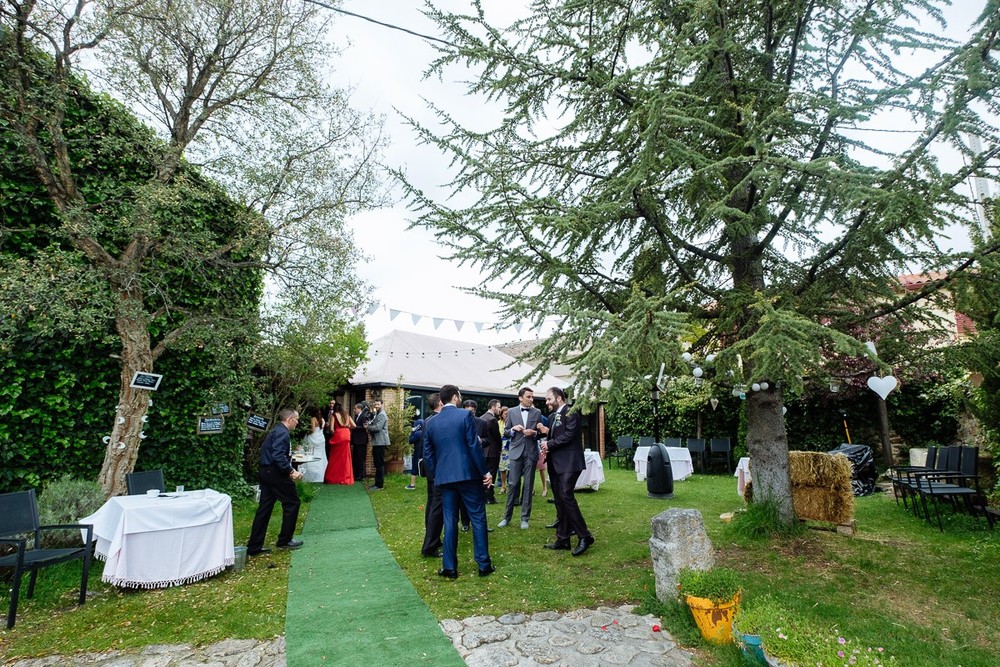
(121,420)
(783,409)
(697,372)
(686,356)
(142,435)
(145,418)
(736,392)
(764,386)
(755,386)
(106,439)
(710,358)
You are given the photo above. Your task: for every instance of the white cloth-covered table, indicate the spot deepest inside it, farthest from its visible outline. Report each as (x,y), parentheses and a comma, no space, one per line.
(680,462)
(742,475)
(593,476)
(154,542)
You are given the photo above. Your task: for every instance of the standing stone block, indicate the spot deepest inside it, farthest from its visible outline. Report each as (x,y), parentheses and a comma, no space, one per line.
(679,542)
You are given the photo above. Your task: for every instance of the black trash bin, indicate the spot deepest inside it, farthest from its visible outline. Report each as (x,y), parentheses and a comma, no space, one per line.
(659,475)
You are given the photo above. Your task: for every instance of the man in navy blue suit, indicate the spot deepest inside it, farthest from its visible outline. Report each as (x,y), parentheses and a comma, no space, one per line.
(454,457)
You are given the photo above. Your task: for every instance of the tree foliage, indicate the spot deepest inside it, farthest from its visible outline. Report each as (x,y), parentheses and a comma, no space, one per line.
(235,86)
(661,166)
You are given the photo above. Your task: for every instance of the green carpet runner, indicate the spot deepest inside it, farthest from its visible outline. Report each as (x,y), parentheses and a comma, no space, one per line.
(349,603)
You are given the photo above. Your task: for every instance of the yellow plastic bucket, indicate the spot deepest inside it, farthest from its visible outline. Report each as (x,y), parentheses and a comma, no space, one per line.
(715,620)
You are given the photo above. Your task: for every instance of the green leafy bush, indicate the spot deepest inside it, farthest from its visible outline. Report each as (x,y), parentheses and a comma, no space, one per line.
(65,501)
(718,584)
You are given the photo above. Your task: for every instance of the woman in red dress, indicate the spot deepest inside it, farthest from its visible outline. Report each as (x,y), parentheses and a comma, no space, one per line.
(339,469)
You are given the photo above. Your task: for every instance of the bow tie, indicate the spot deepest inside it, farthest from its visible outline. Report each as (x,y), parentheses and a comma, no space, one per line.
(525,409)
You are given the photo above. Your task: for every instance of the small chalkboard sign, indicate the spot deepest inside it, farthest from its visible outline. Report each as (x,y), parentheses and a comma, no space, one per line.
(210,425)
(257,423)
(147,381)
(221,409)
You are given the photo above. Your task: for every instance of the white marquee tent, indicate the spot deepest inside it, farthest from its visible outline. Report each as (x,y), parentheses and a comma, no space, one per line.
(427,362)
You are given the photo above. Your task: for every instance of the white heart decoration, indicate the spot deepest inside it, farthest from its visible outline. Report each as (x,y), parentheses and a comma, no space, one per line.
(882,386)
(714,402)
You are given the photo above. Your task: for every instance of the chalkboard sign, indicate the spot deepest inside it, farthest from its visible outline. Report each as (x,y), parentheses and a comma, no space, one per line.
(257,423)
(210,425)
(220,409)
(148,381)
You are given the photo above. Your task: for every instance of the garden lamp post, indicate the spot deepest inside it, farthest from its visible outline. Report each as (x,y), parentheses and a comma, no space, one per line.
(654,394)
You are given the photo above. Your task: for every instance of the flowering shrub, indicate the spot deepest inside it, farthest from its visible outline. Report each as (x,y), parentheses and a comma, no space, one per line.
(795,642)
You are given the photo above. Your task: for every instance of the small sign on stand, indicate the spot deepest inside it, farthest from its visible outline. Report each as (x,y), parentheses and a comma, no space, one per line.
(221,409)
(147,381)
(210,425)
(257,423)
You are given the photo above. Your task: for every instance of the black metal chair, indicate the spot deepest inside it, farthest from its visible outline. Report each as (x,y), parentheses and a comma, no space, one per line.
(672,442)
(897,475)
(696,446)
(951,486)
(19,517)
(137,483)
(720,450)
(624,449)
(645,441)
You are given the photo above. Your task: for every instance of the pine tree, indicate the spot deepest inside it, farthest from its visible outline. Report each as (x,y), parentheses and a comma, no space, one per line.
(702,168)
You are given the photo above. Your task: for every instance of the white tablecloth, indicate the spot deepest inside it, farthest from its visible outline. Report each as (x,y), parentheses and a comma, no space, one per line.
(742,475)
(680,462)
(593,476)
(154,542)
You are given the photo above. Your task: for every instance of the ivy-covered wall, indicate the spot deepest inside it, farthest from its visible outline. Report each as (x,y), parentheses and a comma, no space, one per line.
(59,382)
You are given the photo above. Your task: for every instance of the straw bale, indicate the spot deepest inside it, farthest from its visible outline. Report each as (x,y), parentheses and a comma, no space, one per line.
(821,486)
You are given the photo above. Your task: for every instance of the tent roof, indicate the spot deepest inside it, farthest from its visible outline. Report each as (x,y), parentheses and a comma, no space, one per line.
(427,362)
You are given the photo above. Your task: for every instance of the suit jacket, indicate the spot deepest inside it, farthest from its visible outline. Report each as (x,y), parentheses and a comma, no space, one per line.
(277,449)
(565,441)
(452,452)
(492,442)
(379,428)
(359,434)
(522,446)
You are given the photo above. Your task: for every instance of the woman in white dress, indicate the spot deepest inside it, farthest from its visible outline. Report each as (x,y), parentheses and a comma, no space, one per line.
(314,444)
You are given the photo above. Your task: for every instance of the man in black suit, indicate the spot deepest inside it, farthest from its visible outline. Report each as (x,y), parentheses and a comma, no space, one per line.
(277,483)
(564,448)
(359,441)
(522,429)
(492,444)
(433,512)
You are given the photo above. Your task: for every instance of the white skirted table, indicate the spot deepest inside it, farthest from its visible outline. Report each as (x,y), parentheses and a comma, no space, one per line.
(742,475)
(593,476)
(680,462)
(165,540)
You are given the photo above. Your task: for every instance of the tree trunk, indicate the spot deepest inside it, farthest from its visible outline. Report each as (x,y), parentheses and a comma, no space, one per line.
(767,444)
(883,427)
(133,404)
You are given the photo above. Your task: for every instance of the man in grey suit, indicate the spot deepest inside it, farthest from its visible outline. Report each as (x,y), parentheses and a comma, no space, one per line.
(522,429)
(378,427)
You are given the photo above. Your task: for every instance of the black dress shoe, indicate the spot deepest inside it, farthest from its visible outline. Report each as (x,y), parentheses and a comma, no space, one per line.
(489,530)
(259,552)
(554,524)
(551,500)
(292,544)
(432,554)
(557,546)
(585,543)
(486,571)
(465,528)
(451,574)
(491,502)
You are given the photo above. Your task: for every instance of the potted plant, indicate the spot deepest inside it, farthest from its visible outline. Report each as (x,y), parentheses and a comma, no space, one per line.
(771,636)
(713,596)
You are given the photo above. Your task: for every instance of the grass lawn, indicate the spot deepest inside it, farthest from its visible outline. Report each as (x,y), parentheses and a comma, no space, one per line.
(929,598)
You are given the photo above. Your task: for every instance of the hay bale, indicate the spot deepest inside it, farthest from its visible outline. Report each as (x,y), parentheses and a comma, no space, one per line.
(821,486)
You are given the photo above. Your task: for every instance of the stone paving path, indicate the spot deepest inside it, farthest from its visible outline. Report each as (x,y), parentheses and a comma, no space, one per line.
(582,638)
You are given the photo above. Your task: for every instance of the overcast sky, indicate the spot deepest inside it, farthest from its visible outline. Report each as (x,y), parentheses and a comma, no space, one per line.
(385,67)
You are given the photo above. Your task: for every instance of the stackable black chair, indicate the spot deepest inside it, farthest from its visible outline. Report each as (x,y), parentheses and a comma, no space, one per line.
(951,487)
(624,449)
(19,517)
(897,475)
(672,442)
(696,446)
(719,450)
(137,483)
(645,441)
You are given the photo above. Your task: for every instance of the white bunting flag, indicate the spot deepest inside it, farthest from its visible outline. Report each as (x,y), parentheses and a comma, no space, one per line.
(437,322)
(393,313)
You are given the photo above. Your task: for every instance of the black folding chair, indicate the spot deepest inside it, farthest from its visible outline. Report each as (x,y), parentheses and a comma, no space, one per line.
(137,483)
(672,442)
(624,449)
(719,450)
(19,517)
(696,446)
